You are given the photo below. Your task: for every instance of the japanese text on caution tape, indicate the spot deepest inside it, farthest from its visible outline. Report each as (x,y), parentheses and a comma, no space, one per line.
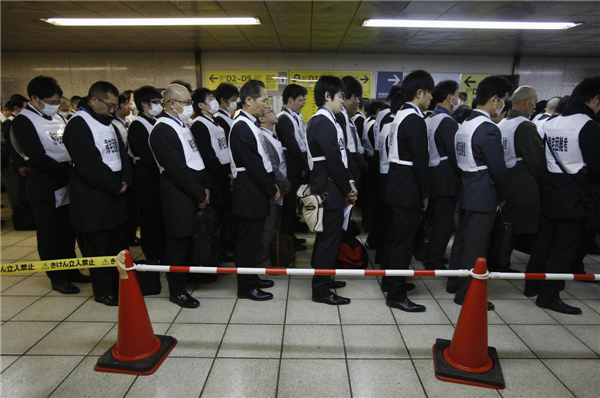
(57,265)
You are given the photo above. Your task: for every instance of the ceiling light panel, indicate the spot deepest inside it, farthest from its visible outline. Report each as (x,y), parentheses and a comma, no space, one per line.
(441,24)
(151,21)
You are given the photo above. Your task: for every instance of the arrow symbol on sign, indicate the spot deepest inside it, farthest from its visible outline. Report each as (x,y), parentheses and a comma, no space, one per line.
(396,80)
(469,82)
(366,79)
(212,78)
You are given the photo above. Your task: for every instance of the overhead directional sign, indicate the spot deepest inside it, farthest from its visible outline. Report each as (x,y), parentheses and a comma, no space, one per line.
(469,83)
(385,81)
(308,79)
(274,80)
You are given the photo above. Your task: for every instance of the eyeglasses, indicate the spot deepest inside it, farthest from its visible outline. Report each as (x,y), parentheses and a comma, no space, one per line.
(111,107)
(184,103)
(56,102)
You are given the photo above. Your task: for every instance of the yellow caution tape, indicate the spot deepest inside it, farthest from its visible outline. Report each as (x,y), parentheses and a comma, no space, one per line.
(57,265)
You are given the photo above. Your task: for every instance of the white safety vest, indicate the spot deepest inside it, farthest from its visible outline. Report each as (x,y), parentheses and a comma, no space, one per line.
(563,134)
(340,137)
(50,133)
(190,149)
(217,139)
(124,134)
(463,146)
(370,122)
(508,127)
(358,116)
(384,163)
(354,144)
(149,128)
(433,122)
(539,123)
(260,144)
(223,114)
(394,156)
(382,113)
(105,139)
(298,128)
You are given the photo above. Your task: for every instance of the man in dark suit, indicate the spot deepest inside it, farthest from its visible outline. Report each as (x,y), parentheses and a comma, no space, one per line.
(254,187)
(328,162)
(184,184)
(146,190)
(290,132)
(100,176)
(408,186)
(445,177)
(226,95)
(480,156)
(14,173)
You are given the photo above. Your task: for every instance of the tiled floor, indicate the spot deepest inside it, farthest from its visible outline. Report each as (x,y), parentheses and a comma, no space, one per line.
(290,346)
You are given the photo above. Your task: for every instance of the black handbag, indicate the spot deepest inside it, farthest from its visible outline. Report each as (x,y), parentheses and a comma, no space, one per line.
(422,246)
(501,244)
(207,233)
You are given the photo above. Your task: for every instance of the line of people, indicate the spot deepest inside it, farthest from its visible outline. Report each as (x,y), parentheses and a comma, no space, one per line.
(92,177)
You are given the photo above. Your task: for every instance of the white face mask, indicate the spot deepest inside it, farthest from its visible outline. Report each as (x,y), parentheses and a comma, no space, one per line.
(64,114)
(455,106)
(188,110)
(49,110)
(498,112)
(155,110)
(133,107)
(232,106)
(214,106)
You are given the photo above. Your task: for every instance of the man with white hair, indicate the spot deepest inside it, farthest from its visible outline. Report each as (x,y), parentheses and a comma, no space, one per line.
(542,118)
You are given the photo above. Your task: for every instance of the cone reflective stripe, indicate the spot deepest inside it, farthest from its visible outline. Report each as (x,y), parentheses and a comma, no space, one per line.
(468,359)
(138,350)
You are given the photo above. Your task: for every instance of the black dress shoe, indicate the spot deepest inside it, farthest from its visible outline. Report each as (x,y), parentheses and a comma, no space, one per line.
(79,278)
(265,283)
(299,241)
(490,305)
(300,248)
(408,287)
(451,290)
(255,294)
(65,288)
(185,301)
(332,299)
(337,284)
(135,242)
(406,305)
(111,300)
(558,306)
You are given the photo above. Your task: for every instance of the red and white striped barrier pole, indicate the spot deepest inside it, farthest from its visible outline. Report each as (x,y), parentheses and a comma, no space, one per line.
(359,272)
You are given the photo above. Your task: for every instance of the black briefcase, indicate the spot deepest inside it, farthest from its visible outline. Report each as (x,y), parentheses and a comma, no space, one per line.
(501,244)
(422,245)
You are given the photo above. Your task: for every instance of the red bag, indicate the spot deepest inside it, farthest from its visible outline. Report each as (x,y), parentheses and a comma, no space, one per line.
(351,254)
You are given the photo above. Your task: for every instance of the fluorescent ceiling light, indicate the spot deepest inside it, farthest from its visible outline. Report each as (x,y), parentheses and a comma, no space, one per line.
(150,21)
(440,24)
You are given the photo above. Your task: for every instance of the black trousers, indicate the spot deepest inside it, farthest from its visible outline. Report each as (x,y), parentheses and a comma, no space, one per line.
(383,225)
(401,241)
(471,242)
(288,215)
(326,248)
(441,217)
(130,226)
(55,237)
(249,232)
(589,239)
(176,253)
(153,233)
(107,242)
(557,246)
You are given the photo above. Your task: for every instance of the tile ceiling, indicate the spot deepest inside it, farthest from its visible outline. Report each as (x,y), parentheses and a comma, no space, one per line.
(303,26)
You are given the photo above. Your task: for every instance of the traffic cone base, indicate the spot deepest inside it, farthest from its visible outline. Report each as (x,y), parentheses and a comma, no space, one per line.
(446,372)
(107,362)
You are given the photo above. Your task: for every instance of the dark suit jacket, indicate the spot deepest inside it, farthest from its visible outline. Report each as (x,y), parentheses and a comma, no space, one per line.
(44,175)
(559,198)
(408,185)
(181,188)
(147,177)
(254,188)
(14,157)
(483,190)
(295,160)
(322,140)
(94,188)
(445,177)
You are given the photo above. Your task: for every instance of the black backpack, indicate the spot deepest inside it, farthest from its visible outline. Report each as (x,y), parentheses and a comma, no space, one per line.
(207,235)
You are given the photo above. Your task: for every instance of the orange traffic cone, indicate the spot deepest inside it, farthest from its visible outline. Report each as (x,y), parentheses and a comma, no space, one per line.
(468,359)
(138,350)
